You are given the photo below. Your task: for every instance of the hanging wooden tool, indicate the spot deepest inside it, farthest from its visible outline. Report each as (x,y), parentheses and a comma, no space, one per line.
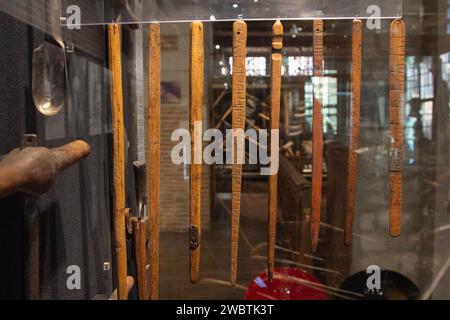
(396,93)
(317,139)
(354,130)
(196,104)
(118,158)
(153,153)
(140,222)
(239,79)
(277,45)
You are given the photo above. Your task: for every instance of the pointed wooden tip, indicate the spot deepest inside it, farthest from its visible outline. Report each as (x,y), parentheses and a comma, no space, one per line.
(395,231)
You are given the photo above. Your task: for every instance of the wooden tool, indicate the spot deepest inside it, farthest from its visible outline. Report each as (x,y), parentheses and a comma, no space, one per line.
(196,104)
(118,158)
(239,79)
(277,45)
(140,222)
(354,130)
(317,139)
(396,95)
(153,153)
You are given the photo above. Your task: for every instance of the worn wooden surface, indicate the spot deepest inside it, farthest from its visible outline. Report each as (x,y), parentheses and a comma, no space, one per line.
(277,45)
(396,95)
(352,170)
(153,154)
(196,104)
(238,113)
(317,163)
(140,239)
(118,158)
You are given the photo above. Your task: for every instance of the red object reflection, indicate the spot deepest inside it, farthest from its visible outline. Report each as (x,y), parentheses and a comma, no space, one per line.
(287,284)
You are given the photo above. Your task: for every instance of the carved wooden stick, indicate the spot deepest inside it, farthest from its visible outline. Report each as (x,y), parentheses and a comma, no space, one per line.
(277,45)
(316,201)
(196,99)
(118,158)
(354,130)
(238,104)
(396,92)
(153,154)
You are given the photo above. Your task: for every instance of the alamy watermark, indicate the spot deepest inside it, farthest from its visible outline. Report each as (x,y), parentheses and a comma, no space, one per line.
(234,151)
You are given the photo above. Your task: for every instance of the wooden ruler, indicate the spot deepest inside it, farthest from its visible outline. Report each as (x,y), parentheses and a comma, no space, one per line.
(238,104)
(115,65)
(153,154)
(317,139)
(396,93)
(195,102)
(277,45)
(354,130)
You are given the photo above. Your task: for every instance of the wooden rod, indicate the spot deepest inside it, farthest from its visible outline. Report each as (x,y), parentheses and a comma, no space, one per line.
(238,104)
(277,45)
(196,104)
(153,154)
(396,96)
(118,158)
(140,239)
(354,130)
(317,139)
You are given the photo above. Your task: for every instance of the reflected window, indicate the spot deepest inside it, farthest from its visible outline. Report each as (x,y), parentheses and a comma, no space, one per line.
(256,66)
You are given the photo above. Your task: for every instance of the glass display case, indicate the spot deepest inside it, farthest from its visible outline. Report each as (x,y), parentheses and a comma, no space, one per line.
(196,150)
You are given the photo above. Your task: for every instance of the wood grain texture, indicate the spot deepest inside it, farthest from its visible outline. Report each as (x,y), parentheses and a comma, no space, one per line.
(277,45)
(352,170)
(239,79)
(118,158)
(317,162)
(153,154)
(396,96)
(140,241)
(196,104)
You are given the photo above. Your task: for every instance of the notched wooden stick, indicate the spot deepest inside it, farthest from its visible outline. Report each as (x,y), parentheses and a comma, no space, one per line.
(238,112)
(153,154)
(352,174)
(396,95)
(277,45)
(196,99)
(118,158)
(316,201)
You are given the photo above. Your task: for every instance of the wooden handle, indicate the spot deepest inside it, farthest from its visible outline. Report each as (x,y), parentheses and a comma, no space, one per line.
(354,130)
(277,45)
(140,239)
(316,201)
(239,79)
(396,92)
(118,158)
(153,153)
(196,104)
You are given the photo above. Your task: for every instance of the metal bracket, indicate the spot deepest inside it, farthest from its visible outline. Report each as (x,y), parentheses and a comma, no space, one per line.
(194,236)
(395,160)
